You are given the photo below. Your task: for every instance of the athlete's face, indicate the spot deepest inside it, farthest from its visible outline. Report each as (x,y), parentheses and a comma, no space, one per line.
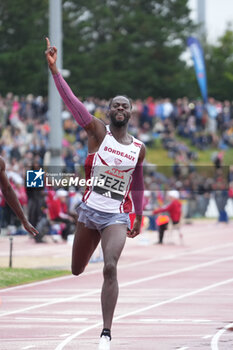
(120,111)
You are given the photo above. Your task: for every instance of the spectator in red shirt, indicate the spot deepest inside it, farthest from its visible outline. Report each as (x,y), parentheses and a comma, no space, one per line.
(174,209)
(58,210)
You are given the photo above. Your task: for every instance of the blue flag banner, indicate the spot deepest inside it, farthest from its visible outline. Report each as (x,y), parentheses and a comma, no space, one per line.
(199,65)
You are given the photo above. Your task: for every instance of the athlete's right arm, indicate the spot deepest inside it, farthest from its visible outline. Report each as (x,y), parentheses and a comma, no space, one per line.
(12,200)
(94,127)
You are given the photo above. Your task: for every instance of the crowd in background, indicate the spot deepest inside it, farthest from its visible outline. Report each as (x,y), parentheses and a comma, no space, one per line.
(24,144)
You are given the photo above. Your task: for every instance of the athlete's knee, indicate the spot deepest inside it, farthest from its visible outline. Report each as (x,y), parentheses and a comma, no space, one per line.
(77,270)
(110,271)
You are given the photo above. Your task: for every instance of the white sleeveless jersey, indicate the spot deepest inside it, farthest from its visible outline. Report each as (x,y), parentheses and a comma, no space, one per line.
(109,172)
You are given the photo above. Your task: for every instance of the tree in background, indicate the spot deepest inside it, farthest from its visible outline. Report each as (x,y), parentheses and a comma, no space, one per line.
(23,25)
(110,47)
(219,62)
(131,47)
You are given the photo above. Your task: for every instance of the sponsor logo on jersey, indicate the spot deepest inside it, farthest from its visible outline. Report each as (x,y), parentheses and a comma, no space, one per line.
(137,144)
(117,161)
(107,194)
(115,172)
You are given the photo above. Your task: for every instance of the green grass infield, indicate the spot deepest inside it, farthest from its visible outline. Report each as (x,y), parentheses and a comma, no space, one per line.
(16,276)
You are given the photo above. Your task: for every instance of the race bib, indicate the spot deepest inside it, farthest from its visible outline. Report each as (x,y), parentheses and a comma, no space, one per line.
(112,182)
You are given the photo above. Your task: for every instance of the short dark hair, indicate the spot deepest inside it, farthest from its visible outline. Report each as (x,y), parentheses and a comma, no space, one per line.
(128,98)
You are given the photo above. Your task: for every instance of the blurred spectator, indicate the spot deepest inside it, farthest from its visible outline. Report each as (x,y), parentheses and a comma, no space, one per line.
(58,211)
(212,114)
(174,209)
(25,128)
(220,188)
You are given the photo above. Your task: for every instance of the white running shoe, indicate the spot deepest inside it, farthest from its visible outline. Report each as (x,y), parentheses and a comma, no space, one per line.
(104,343)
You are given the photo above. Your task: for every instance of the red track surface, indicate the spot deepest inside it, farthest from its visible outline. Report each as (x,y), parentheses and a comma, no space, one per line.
(171,297)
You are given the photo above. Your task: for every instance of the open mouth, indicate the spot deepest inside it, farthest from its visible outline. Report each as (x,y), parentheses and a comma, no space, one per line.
(120,117)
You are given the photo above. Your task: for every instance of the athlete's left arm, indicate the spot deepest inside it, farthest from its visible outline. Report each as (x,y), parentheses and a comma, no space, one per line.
(137,191)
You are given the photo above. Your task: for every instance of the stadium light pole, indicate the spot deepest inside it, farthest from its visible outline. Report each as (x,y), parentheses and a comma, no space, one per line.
(55,103)
(201,19)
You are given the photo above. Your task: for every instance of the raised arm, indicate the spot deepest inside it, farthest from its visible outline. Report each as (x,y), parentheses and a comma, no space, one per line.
(137,191)
(94,127)
(12,199)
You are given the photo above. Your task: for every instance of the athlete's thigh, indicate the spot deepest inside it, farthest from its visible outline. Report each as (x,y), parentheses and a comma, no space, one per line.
(85,242)
(113,240)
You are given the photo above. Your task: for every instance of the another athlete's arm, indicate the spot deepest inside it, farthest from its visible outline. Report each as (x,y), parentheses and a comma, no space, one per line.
(137,191)
(162,210)
(94,127)
(12,199)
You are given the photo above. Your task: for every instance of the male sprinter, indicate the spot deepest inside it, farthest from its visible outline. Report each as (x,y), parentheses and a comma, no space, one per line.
(12,199)
(116,157)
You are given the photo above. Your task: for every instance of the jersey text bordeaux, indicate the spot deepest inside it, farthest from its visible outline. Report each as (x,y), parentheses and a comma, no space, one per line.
(113,164)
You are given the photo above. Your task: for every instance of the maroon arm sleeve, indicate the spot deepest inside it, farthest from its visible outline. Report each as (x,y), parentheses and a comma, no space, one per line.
(79,111)
(137,189)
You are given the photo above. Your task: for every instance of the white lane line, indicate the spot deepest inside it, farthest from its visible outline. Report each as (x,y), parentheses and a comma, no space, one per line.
(215,339)
(137,311)
(126,284)
(28,347)
(64,335)
(173,256)
(174,272)
(50,319)
(183,348)
(182,296)
(172,320)
(201,321)
(208,336)
(55,301)
(121,267)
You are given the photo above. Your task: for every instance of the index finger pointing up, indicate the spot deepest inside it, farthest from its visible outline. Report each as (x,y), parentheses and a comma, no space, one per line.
(48,42)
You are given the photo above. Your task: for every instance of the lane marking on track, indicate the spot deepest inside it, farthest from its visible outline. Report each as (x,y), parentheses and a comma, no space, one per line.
(126,284)
(50,319)
(55,301)
(183,348)
(121,267)
(137,311)
(197,230)
(64,335)
(174,272)
(215,339)
(28,347)
(208,336)
(172,320)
